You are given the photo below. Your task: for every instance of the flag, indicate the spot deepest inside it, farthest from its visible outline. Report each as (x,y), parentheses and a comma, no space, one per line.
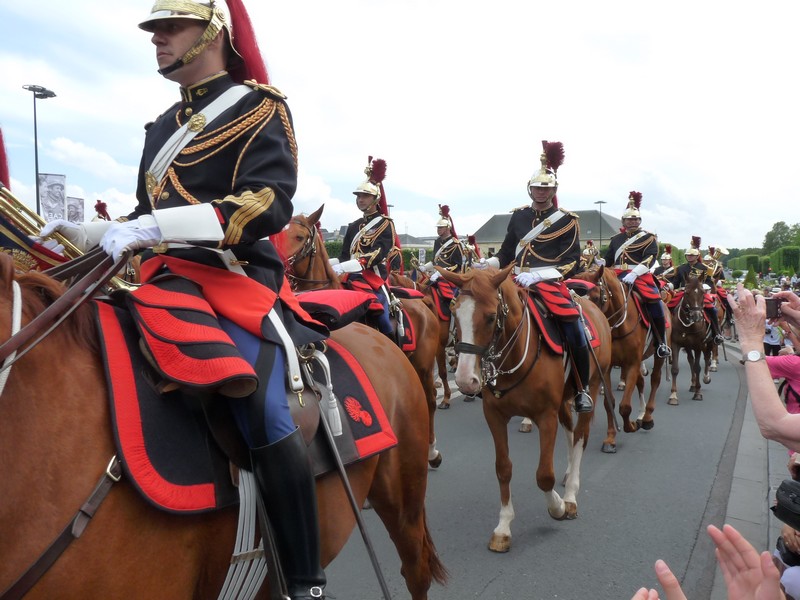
(27,254)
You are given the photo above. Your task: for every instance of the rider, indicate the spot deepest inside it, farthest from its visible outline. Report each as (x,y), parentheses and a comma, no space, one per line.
(665,270)
(694,266)
(717,274)
(632,252)
(233,185)
(544,242)
(448,252)
(473,252)
(589,255)
(368,241)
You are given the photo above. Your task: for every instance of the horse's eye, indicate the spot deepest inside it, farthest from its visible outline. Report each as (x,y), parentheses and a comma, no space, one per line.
(299,238)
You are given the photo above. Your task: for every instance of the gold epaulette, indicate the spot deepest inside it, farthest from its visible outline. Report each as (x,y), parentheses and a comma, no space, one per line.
(571,214)
(520,208)
(566,268)
(269,89)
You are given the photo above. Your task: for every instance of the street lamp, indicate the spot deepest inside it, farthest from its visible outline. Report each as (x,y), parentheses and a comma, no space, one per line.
(40,93)
(601,202)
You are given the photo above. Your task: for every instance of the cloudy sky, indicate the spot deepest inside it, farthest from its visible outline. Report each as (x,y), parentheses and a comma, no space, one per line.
(694,104)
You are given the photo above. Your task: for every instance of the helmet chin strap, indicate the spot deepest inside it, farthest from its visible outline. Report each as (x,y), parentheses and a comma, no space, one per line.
(212,29)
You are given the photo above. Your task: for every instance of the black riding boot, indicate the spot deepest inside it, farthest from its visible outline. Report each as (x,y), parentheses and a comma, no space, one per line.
(660,328)
(286,484)
(583,401)
(712,315)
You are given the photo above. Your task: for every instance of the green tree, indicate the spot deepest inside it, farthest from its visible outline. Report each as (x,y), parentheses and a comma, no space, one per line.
(777,237)
(750,281)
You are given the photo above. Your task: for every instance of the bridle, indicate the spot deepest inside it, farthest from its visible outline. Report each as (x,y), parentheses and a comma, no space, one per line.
(490,354)
(694,311)
(307,250)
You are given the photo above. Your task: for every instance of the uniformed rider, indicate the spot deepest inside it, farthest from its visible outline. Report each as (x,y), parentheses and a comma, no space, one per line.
(589,255)
(369,240)
(218,172)
(448,252)
(665,270)
(544,243)
(632,253)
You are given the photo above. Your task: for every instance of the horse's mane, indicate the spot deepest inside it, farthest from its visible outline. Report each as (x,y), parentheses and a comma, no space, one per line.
(40,291)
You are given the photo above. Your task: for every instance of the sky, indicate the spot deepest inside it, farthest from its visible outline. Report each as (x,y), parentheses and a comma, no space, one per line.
(694,104)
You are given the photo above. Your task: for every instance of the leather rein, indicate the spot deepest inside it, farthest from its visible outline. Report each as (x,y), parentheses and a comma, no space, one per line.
(307,250)
(97,269)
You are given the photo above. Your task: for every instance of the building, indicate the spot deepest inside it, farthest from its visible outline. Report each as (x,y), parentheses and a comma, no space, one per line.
(596,226)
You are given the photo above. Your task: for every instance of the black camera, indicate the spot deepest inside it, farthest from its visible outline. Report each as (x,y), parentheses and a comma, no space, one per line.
(774,307)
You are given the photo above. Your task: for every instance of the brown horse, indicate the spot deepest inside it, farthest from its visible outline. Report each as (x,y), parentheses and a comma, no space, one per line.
(503,356)
(308,268)
(690,332)
(632,343)
(713,348)
(57,441)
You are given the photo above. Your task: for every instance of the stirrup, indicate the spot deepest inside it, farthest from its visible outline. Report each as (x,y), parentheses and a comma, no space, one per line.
(718,339)
(663,351)
(583,402)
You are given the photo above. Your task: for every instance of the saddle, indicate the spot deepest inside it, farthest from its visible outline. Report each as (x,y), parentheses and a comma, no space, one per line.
(443,294)
(547,322)
(177,448)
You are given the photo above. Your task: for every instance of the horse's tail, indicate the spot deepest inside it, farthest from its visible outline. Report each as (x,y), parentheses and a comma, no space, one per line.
(438,570)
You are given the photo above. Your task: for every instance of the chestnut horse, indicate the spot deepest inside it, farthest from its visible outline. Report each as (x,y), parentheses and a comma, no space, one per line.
(56,442)
(690,332)
(632,343)
(308,268)
(502,355)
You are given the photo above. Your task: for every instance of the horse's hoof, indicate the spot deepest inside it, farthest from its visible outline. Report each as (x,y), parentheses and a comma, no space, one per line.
(525,428)
(436,462)
(437,383)
(630,427)
(706,380)
(673,401)
(647,425)
(443,405)
(713,369)
(609,448)
(621,386)
(571,512)
(564,515)
(469,398)
(500,543)
(697,397)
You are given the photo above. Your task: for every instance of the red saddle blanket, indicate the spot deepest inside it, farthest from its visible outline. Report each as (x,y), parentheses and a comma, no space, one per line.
(549,326)
(168,451)
(443,294)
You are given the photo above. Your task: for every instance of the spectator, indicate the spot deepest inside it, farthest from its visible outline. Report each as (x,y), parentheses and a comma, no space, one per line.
(773,339)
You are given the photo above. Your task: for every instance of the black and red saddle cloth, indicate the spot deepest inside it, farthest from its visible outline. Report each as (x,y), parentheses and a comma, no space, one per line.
(443,293)
(165,445)
(547,307)
(405,336)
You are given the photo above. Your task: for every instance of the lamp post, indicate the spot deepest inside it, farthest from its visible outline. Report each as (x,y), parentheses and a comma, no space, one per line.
(40,93)
(600,203)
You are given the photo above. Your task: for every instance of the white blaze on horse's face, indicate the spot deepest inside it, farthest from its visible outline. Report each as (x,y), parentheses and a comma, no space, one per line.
(468,370)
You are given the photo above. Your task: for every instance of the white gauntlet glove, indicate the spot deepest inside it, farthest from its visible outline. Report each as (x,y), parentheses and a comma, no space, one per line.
(428,266)
(435,276)
(600,262)
(629,278)
(337,268)
(84,236)
(527,279)
(133,235)
(490,262)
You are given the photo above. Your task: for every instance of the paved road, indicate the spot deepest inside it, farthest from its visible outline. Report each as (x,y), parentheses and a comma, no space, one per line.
(651,500)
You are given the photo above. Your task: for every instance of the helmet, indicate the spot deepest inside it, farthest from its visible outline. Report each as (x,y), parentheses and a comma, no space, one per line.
(694,249)
(634,201)
(667,252)
(373,185)
(443,223)
(590,249)
(245,60)
(445,219)
(552,157)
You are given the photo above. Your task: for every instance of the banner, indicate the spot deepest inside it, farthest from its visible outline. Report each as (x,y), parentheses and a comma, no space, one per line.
(27,254)
(52,197)
(75,210)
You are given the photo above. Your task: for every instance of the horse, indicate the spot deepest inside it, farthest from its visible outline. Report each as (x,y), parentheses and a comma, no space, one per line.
(57,439)
(401,280)
(630,346)
(502,355)
(690,332)
(308,268)
(713,348)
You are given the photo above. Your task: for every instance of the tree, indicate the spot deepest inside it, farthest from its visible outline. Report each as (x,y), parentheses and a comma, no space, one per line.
(777,237)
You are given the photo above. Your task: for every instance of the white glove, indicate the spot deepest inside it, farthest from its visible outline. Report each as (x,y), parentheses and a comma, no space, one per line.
(351,266)
(84,236)
(629,278)
(435,276)
(479,264)
(600,262)
(527,279)
(53,246)
(133,235)
(337,268)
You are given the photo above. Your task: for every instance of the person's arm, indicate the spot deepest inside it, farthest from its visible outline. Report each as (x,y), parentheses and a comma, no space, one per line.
(774,421)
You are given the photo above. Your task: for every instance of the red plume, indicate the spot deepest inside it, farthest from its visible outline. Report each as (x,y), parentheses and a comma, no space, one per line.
(696,241)
(5,178)
(244,40)
(637,198)
(711,250)
(474,243)
(668,248)
(554,153)
(444,210)
(589,243)
(100,208)
(378,172)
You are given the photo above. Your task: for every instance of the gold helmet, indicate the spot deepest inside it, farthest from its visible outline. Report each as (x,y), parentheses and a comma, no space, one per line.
(445,220)
(667,252)
(632,211)
(694,248)
(373,185)
(552,157)
(590,249)
(213,12)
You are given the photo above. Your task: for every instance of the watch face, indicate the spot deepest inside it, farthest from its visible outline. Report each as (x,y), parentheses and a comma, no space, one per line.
(754,355)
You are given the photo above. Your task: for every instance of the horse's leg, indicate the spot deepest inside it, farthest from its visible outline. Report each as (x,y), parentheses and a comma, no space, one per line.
(655,381)
(708,353)
(631,374)
(640,395)
(674,370)
(697,355)
(441,365)
(578,440)
(547,423)
(609,403)
(498,426)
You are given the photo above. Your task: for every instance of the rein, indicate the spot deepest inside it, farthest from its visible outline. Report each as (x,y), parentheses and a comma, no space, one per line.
(691,310)
(309,251)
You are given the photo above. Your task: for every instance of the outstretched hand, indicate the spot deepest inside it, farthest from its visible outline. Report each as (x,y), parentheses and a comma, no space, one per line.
(748,574)
(668,581)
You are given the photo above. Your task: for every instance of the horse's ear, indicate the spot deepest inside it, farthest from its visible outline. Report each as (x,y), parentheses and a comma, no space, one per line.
(502,275)
(313,218)
(457,279)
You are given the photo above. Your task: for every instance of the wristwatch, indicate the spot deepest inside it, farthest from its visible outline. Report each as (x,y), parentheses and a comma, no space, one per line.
(752,356)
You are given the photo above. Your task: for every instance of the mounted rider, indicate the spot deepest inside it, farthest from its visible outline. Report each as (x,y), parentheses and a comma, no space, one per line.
(473,252)
(713,262)
(544,242)
(665,270)
(369,240)
(632,252)
(589,255)
(695,267)
(218,172)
